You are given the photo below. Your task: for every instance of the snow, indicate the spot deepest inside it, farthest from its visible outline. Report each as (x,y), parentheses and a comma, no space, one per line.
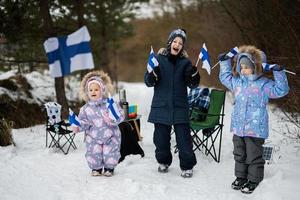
(30,171)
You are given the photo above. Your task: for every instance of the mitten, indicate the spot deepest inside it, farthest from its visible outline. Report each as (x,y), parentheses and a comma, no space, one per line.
(274,67)
(156,73)
(75,129)
(194,69)
(277,68)
(223,57)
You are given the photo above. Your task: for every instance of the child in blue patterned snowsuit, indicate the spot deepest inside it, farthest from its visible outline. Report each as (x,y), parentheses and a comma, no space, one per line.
(249,120)
(102,134)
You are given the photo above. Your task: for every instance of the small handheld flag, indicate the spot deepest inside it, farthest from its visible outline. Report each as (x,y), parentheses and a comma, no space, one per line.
(152,61)
(205,59)
(230,54)
(233,52)
(73,119)
(268,67)
(114,113)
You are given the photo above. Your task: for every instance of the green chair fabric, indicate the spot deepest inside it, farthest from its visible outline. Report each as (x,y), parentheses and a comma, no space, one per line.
(207,134)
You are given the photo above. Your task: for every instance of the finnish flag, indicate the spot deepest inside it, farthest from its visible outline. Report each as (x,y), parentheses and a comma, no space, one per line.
(73,119)
(205,59)
(233,52)
(114,112)
(268,67)
(67,54)
(152,61)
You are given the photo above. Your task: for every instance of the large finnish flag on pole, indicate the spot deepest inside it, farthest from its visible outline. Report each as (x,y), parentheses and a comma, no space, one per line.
(67,54)
(205,59)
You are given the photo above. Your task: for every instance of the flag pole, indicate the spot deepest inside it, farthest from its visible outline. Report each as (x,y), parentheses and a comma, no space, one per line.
(287,71)
(215,64)
(196,65)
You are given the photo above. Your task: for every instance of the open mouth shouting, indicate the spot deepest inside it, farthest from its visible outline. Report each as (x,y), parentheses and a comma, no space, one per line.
(176,46)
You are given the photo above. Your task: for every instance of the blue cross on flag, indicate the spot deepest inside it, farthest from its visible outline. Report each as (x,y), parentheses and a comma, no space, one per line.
(268,67)
(152,61)
(70,53)
(73,119)
(205,59)
(114,112)
(233,52)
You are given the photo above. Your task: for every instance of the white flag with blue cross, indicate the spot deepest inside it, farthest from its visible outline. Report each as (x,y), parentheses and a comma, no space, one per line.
(73,119)
(70,53)
(152,61)
(114,112)
(233,52)
(205,59)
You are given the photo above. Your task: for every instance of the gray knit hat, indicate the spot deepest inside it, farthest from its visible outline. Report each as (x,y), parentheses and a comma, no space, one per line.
(177,33)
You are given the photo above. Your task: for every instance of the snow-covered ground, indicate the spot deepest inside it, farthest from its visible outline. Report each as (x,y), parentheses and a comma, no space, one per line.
(30,171)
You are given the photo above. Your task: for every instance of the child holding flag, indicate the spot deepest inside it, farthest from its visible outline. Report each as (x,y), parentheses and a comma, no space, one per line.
(170,73)
(99,119)
(249,119)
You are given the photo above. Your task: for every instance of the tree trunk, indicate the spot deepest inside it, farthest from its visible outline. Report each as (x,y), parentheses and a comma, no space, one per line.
(50,32)
(80,11)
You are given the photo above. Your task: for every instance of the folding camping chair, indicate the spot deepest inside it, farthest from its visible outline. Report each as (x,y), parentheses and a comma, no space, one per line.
(58,130)
(211,128)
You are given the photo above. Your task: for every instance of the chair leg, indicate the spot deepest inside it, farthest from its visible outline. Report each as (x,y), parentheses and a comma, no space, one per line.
(209,142)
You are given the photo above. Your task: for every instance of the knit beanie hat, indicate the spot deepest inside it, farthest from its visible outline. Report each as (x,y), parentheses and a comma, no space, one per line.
(96,80)
(177,33)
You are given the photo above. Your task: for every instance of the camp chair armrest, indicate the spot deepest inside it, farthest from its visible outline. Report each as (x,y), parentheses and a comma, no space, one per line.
(207,114)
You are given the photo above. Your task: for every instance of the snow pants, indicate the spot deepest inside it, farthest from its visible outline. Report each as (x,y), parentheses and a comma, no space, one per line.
(161,139)
(103,155)
(248,156)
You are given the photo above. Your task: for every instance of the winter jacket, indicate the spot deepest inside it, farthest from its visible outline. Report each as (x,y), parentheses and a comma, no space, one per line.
(95,121)
(94,115)
(251,96)
(169,103)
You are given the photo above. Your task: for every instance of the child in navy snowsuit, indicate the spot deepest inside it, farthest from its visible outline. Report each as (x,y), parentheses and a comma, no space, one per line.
(249,119)
(102,134)
(169,107)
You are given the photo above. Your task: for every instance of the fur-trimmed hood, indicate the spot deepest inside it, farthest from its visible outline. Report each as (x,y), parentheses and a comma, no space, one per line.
(165,52)
(99,74)
(254,54)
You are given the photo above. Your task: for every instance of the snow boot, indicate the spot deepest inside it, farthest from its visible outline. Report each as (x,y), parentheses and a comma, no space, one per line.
(249,187)
(96,172)
(163,168)
(187,173)
(108,172)
(238,183)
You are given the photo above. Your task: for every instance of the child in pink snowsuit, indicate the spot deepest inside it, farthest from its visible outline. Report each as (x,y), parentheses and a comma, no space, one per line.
(102,134)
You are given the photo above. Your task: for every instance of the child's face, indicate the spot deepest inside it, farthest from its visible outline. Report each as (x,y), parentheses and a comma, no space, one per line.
(176,46)
(246,70)
(94,92)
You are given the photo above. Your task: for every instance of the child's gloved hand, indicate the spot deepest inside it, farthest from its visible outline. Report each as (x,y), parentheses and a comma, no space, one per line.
(273,67)
(155,74)
(75,129)
(223,57)
(194,69)
(278,68)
